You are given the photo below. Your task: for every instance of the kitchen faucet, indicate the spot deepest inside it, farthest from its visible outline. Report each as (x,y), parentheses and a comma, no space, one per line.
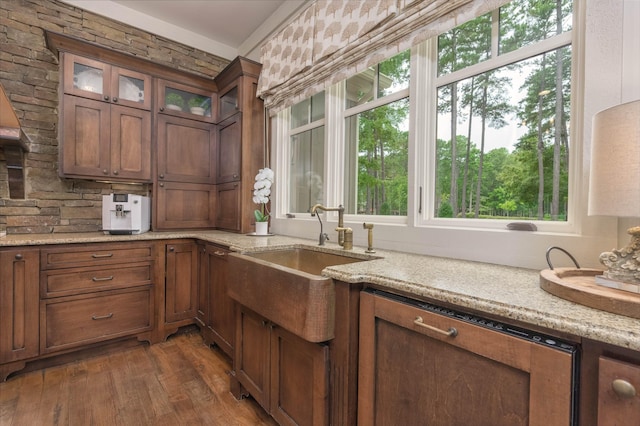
(342,231)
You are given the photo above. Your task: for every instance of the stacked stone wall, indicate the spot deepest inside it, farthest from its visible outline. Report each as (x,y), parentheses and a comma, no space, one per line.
(29,73)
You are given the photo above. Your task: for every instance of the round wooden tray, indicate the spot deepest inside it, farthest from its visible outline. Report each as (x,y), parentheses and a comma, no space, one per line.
(578,285)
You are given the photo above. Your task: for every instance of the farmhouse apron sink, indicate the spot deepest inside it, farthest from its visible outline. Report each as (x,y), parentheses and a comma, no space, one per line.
(286,287)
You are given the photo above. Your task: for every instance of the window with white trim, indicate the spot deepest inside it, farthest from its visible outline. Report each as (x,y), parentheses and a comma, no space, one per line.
(510,71)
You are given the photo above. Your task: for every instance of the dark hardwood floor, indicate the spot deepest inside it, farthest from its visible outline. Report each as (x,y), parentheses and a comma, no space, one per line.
(178,382)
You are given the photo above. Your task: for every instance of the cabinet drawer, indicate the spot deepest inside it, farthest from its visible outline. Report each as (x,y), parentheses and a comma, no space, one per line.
(74,321)
(94,254)
(67,282)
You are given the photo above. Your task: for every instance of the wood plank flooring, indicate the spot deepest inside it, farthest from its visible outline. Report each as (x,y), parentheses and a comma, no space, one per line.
(177,382)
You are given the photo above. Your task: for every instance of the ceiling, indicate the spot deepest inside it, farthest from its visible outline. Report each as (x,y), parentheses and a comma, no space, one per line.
(226,28)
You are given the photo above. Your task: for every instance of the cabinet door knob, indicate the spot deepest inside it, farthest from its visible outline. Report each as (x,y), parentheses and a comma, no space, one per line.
(115,172)
(105,171)
(106,98)
(161,176)
(18,256)
(172,248)
(115,99)
(161,109)
(161,184)
(623,388)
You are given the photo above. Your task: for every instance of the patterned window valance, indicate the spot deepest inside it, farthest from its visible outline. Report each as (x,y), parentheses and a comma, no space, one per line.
(334,39)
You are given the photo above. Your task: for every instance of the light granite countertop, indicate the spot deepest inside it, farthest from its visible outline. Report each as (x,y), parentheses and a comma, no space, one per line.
(507,292)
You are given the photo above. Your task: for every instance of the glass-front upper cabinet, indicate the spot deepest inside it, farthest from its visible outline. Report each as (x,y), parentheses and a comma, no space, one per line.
(229,102)
(98,80)
(185,101)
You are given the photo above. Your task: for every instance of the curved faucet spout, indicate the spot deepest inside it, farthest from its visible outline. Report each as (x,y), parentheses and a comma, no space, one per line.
(340,210)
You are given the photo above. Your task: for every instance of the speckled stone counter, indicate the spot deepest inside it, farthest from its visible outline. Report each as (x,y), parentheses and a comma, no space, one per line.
(511,293)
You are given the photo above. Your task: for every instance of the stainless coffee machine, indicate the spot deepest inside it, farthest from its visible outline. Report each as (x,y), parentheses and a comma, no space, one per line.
(125,214)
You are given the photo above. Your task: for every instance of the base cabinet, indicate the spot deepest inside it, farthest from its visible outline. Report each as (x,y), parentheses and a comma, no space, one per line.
(416,372)
(181,283)
(19,323)
(609,385)
(286,375)
(216,310)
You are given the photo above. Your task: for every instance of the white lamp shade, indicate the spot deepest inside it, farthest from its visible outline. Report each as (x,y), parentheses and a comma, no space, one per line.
(614,183)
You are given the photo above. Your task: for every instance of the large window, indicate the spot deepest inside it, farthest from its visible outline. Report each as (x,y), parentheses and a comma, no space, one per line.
(503,91)
(380,142)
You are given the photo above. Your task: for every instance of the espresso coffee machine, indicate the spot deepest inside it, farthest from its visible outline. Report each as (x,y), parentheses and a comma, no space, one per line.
(125,214)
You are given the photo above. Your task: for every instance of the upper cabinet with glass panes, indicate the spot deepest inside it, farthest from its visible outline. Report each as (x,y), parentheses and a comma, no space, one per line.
(97,80)
(185,101)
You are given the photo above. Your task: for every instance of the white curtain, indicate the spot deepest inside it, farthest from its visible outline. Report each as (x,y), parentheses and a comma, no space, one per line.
(334,39)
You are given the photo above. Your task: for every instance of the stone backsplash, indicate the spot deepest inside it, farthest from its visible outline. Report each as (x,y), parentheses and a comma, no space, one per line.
(29,73)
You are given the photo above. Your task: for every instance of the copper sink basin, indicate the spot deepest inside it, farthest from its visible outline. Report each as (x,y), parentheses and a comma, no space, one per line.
(285,286)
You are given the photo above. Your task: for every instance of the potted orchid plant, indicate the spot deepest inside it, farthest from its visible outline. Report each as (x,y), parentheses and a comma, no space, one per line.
(261,193)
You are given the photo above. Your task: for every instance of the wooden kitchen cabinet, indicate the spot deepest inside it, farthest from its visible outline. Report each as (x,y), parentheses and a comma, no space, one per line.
(186,150)
(181,283)
(106,122)
(414,369)
(286,375)
(19,304)
(185,101)
(91,293)
(602,403)
(618,392)
(229,150)
(184,185)
(241,143)
(93,79)
(216,310)
(229,206)
(180,205)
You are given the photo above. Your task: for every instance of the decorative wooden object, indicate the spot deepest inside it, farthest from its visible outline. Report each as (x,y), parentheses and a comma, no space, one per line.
(578,285)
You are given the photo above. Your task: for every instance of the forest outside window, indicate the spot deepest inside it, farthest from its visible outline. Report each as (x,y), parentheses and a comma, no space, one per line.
(377,138)
(503,94)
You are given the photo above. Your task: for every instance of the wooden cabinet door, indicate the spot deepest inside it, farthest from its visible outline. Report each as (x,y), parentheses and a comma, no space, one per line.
(299,380)
(229,150)
(252,357)
(186,150)
(412,373)
(130,143)
(131,88)
(86,77)
(19,304)
(185,101)
(228,206)
(85,147)
(181,281)
(184,206)
(229,101)
(221,306)
(618,392)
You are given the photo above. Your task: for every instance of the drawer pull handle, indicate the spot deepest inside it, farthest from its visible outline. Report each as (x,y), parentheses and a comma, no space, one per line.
(98,256)
(95,318)
(96,279)
(623,388)
(452,332)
